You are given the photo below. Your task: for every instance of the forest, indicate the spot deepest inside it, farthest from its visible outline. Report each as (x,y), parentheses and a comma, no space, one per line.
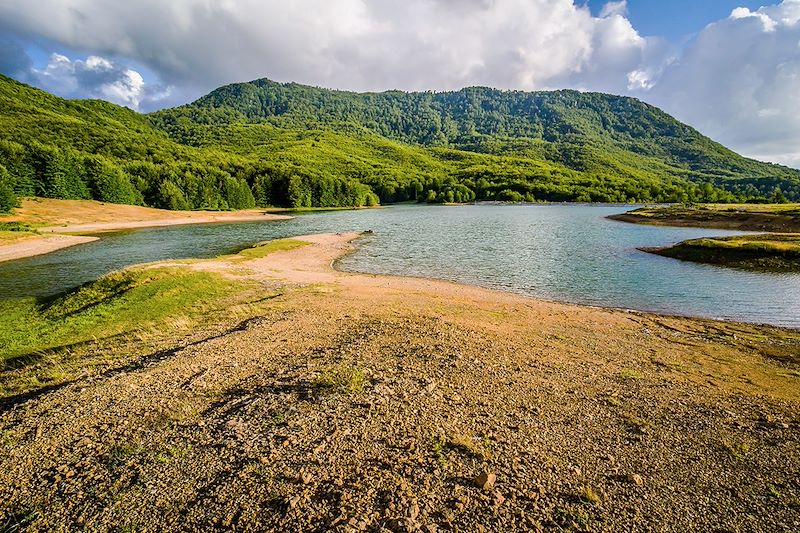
(269,144)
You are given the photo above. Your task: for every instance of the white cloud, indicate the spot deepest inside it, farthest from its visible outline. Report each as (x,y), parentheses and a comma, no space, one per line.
(767,23)
(96,77)
(615,8)
(640,79)
(350,44)
(738,81)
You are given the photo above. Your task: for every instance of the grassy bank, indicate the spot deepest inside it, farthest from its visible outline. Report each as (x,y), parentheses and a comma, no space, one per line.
(778,218)
(13,232)
(769,252)
(117,317)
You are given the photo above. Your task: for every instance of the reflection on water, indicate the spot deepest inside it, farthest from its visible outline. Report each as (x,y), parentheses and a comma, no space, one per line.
(562,252)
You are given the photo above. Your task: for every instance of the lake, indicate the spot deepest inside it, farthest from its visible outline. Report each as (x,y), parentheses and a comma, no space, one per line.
(569,253)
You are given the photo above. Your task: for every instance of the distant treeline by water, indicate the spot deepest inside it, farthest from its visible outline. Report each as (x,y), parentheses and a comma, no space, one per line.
(268,144)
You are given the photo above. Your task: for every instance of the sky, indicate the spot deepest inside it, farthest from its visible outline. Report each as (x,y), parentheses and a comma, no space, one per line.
(729,68)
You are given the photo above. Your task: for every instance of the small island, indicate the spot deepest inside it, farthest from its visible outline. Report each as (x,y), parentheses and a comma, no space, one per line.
(777,251)
(768,253)
(773,218)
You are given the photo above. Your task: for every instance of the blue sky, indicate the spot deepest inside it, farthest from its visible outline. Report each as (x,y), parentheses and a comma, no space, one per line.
(729,68)
(676,19)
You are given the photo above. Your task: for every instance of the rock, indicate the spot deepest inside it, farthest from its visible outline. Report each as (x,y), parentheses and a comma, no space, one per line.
(636,479)
(413,512)
(486,480)
(499,499)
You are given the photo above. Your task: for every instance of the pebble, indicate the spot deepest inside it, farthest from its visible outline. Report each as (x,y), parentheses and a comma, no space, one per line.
(486,480)
(636,479)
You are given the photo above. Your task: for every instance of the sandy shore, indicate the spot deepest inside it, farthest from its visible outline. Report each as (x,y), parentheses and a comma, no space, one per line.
(39,245)
(201,217)
(374,403)
(77,217)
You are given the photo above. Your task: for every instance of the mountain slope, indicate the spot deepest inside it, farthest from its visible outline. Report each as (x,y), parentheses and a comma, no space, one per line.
(568,127)
(269,144)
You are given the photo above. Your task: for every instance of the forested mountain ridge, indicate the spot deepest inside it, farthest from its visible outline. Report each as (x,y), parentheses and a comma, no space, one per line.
(563,126)
(264,143)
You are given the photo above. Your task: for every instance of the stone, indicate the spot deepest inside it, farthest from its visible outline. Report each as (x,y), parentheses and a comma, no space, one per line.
(636,479)
(486,480)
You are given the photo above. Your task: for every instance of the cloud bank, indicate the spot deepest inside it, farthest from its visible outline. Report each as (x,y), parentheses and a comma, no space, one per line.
(736,80)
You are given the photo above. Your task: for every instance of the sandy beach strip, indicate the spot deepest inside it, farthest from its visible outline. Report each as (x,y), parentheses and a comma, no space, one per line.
(198,218)
(38,245)
(54,219)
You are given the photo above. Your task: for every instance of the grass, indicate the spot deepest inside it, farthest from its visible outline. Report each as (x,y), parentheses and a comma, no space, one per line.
(114,304)
(772,209)
(20,520)
(769,252)
(478,448)
(737,450)
(571,517)
(51,341)
(349,380)
(589,495)
(121,453)
(47,342)
(628,373)
(264,249)
(438,447)
(11,232)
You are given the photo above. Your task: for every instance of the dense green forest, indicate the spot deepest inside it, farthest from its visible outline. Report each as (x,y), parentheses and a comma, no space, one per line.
(264,143)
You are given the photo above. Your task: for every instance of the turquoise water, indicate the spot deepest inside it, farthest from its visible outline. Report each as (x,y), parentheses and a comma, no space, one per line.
(561,252)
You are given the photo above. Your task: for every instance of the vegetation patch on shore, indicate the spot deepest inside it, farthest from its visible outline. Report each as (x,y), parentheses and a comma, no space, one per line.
(769,252)
(11,232)
(263,249)
(50,341)
(779,218)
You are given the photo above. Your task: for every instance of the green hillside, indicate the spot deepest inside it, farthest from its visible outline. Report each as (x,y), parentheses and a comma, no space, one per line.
(264,143)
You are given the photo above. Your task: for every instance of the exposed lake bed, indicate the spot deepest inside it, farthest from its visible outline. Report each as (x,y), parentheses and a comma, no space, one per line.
(334,398)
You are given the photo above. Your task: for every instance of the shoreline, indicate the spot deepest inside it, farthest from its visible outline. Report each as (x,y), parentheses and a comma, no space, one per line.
(41,245)
(338,398)
(212,218)
(738,218)
(60,224)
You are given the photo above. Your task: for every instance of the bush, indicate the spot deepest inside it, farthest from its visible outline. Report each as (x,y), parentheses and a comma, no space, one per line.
(8,200)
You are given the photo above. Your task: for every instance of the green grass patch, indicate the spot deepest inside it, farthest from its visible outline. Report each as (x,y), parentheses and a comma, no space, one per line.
(16,227)
(15,231)
(628,373)
(770,252)
(46,342)
(264,249)
(114,304)
(350,380)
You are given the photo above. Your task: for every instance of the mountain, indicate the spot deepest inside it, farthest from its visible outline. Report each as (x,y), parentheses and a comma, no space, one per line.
(267,143)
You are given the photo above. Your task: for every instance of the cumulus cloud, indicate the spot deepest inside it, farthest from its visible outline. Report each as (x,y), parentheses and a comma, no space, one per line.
(614,8)
(739,82)
(351,44)
(94,77)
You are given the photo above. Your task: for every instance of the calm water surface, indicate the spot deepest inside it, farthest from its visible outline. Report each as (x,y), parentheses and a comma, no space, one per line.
(569,253)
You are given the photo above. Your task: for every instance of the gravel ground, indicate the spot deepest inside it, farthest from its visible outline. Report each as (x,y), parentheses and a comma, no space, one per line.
(368,403)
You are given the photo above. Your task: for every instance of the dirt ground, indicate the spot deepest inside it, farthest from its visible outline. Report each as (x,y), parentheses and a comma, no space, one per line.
(375,403)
